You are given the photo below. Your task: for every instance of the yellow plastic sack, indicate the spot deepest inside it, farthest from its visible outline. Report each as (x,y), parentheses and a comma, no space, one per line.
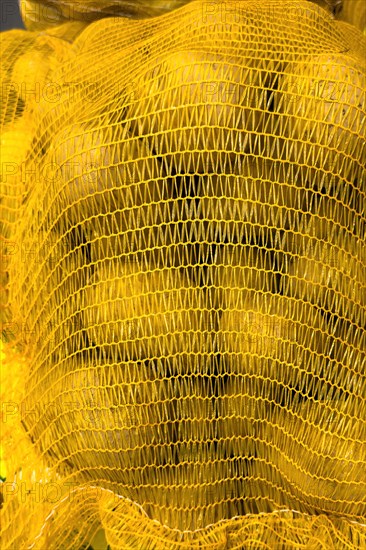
(184,245)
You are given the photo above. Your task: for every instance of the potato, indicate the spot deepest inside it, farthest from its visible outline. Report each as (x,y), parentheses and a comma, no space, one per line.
(124,199)
(348,345)
(69,30)
(262,199)
(352,38)
(3,80)
(327,221)
(328,276)
(5,313)
(238,269)
(93,160)
(271,201)
(140,314)
(272,339)
(328,210)
(144,232)
(319,449)
(135,9)
(32,72)
(354,12)
(165,232)
(99,541)
(262,333)
(46,278)
(238,409)
(141,9)
(148,233)
(13,43)
(83,163)
(198,489)
(193,414)
(195,104)
(106,31)
(120,411)
(310,229)
(39,16)
(241,412)
(104,174)
(157,8)
(212,481)
(15,145)
(323,98)
(193,495)
(332,6)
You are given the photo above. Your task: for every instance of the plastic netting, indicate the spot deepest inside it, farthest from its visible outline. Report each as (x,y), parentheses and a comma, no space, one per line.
(184,274)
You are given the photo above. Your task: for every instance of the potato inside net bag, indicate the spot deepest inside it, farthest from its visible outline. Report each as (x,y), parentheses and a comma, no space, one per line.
(41,14)
(194,213)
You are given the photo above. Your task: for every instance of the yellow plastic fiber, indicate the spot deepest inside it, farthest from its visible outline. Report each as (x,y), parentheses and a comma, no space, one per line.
(183,308)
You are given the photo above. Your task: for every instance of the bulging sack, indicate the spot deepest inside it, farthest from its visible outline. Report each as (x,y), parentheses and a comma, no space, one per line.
(188,276)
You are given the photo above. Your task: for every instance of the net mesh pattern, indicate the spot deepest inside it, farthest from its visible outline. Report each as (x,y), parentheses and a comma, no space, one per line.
(184,290)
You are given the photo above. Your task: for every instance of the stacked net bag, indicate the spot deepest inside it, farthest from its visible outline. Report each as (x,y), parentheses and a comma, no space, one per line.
(183,235)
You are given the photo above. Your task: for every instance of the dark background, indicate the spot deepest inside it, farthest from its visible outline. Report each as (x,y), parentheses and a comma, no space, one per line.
(10,15)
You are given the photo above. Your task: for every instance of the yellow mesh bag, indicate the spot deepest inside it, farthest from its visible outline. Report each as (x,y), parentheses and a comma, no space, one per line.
(183,235)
